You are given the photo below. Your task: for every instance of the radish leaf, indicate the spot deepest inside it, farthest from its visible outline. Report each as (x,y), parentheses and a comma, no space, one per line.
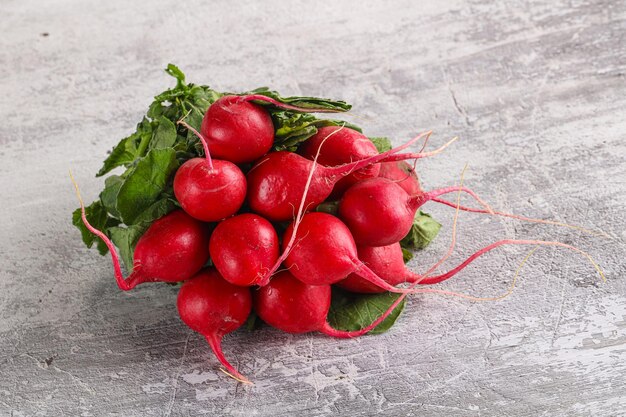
(145,183)
(382,144)
(351,312)
(423,231)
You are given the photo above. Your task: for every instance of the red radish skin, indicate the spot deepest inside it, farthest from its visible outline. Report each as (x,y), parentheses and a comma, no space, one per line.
(403,174)
(240,131)
(244,248)
(291,305)
(237,131)
(379,212)
(210,195)
(341,146)
(173,249)
(213,307)
(207,189)
(325,253)
(276,183)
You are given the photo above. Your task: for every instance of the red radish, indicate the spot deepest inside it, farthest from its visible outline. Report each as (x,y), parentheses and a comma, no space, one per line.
(343,146)
(244,248)
(403,174)
(213,307)
(276,183)
(325,253)
(208,189)
(379,212)
(210,194)
(240,131)
(291,305)
(172,249)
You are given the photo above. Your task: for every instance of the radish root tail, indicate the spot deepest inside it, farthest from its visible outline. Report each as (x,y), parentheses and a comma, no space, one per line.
(215,342)
(405,156)
(124,284)
(598,233)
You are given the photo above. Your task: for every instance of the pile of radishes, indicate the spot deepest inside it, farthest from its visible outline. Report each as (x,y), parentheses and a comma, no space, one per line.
(256,205)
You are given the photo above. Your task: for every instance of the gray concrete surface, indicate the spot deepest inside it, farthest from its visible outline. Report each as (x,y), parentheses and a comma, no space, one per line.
(536,91)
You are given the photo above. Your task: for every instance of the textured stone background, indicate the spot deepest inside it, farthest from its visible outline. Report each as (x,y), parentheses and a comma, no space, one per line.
(536,91)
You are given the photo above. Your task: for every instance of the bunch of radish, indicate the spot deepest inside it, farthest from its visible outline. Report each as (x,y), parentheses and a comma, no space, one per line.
(261,209)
